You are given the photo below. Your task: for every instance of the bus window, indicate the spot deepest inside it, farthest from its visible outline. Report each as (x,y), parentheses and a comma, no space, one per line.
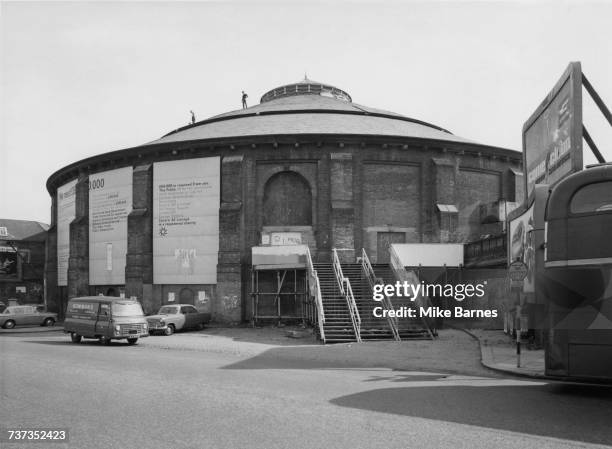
(596,197)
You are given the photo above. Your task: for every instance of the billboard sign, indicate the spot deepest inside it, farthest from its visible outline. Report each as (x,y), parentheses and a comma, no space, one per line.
(522,246)
(552,137)
(66,210)
(186,198)
(9,263)
(110,202)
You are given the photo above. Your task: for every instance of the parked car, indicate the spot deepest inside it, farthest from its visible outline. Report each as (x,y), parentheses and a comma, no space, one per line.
(23,315)
(105,318)
(176,317)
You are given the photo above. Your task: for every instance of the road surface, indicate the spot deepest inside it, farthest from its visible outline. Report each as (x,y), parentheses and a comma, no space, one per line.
(172,392)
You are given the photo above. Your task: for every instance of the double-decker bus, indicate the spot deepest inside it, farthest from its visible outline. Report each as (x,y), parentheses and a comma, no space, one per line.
(577,275)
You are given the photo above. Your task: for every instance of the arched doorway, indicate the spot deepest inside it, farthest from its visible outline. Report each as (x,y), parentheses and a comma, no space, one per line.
(287,200)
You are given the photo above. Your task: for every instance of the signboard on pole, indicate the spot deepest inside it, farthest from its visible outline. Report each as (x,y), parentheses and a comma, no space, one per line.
(517,273)
(552,136)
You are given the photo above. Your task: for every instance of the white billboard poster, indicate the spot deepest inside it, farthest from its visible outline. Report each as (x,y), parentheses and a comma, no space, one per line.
(186,198)
(110,202)
(66,196)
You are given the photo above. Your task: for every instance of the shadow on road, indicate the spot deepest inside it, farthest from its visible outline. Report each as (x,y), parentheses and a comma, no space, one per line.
(271,335)
(393,355)
(573,412)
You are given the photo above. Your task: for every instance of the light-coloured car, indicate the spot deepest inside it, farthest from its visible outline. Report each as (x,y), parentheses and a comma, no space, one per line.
(26,315)
(175,317)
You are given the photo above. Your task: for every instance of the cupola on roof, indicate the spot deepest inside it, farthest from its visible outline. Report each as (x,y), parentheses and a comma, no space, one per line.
(306,87)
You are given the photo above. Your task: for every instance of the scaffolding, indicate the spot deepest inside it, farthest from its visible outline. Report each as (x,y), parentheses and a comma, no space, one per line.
(279,295)
(280,286)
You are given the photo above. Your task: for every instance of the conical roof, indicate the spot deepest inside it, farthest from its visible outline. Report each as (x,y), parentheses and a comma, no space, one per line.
(308,107)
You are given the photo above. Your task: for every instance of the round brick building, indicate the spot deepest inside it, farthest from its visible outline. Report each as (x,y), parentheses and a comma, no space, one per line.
(176,219)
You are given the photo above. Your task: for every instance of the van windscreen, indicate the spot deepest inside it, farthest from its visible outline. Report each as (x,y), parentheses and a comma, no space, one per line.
(126,309)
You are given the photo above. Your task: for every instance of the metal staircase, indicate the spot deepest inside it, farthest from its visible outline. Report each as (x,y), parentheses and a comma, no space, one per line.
(372,328)
(408,329)
(338,325)
(345,303)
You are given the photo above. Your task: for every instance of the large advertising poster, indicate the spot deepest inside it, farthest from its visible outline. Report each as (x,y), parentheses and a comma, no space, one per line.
(186,197)
(552,137)
(9,263)
(522,246)
(110,202)
(66,196)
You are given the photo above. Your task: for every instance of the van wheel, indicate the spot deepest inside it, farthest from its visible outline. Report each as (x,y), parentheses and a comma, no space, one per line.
(9,324)
(169,330)
(105,341)
(49,322)
(76,338)
(132,341)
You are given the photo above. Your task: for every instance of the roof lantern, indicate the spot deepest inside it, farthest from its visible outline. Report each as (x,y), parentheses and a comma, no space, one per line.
(306,87)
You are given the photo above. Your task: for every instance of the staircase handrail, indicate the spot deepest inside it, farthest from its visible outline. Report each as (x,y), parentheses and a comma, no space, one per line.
(316,292)
(347,291)
(411,277)
(366,266)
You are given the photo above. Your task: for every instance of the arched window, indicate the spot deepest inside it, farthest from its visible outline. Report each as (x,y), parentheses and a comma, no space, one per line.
(287,200)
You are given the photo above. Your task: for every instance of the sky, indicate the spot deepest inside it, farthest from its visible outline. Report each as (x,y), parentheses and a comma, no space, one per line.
(79,79)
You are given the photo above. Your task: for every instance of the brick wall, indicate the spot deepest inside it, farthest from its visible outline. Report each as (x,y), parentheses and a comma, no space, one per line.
(358,190)
(474,188)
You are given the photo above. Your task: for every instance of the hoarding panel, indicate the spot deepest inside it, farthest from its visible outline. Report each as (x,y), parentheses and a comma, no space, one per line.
(552,137)
(429,254)
(522,246)
(9,264)
(66,211)
(110,202)
(186,197)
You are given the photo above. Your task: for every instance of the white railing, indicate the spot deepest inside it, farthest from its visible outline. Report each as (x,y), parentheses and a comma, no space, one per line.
(347,291)
(315,291)
(366,266)
(410,277)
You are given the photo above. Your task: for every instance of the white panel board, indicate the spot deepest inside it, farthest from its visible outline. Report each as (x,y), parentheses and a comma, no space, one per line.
(429,254)
(66,203)
(186,198)
(110,202)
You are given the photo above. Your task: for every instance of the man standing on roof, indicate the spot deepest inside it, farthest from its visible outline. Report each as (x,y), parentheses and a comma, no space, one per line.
(244,97)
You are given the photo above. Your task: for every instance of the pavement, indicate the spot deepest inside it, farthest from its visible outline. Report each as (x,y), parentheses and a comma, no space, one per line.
(497,350)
